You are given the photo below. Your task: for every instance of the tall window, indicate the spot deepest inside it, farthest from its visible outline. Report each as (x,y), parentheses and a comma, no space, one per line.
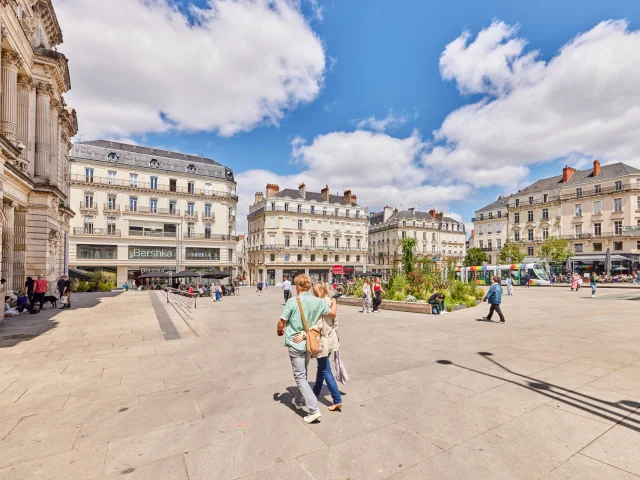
(480,230)
(489,243)
(499,243)
(287,241)
(207,189)
(530,216)
(337,243)
(597,229)
(618,185)
(111,225)
(190,208)
(579,192)
(347,213)
(207,230)
(172,207)
(517,202)
(112,177)
(325,242)
(153,205)
(88,175)
(578,230)
(133,179)
(498,228)
(207,210)
(191,187)
(545,233)
(516,217)
(480,243)
(530,200)
(617,227)
(545,214)
(111,202)
(191,229)
(358,243)
(286,207)
(299,241)
(530,251)
(299,208)
(404,235)
(154,183)
(598,188)
(597,207)
(638,203)
(88,200)
(530,234)
(545,197)
(617,204)
(313,209)
(348,244)
(617,246)
(499,214)
(299,224)
(578,210)
(313,242)
(88,224)
(489,229)
(133,204)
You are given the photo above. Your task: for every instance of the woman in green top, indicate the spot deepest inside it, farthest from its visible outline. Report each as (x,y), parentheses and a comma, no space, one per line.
(594,284)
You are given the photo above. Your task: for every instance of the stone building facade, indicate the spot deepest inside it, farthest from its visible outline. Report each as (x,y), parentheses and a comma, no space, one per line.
(595,209)
(36,128)
(438,237)
(294,231)
(144,209)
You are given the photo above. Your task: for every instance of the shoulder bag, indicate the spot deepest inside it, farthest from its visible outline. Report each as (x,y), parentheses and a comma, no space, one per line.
(313,336)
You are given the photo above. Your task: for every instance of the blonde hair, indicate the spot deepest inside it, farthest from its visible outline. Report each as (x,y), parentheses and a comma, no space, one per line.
(320,290)
(367,281)
(303,282)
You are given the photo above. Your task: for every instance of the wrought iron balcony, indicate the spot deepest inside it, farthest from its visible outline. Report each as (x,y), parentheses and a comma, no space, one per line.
(173,212)
(111,232)
(89,206)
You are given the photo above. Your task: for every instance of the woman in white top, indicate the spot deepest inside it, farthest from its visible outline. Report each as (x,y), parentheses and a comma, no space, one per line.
(328,327)
(366,296)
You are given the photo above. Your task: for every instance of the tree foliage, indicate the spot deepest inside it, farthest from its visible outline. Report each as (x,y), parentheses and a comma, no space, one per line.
(475,256)
(408,258)
(555,250)
(510,253)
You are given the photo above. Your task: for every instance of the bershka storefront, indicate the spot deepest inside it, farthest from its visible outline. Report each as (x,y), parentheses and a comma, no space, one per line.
(163,255)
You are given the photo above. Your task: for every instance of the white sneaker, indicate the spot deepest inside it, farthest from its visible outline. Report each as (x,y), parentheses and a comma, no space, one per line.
(295,404)
(312,418)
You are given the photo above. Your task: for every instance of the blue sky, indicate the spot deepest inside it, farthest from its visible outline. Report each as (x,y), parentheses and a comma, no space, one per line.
(381,59)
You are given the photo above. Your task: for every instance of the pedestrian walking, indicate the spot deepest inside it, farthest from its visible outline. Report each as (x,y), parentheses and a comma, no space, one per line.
(64,289)
(259,289)
(527,279)
(286,289)
(39,290)
(366,296)
(510,284)
(290,325)
(594,284)
(328,328)
(574,282)
(494,298)
(377,294)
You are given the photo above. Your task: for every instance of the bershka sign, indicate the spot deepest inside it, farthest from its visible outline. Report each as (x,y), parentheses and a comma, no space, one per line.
(141,253)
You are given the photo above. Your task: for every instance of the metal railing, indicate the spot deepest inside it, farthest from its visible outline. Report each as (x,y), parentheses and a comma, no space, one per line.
(308,211)
(213,236)
(307,248)
(191,215)
(89,206)
(91,179)
(97,231)
(174,212)
(146,233)
(208,217)
(114,207)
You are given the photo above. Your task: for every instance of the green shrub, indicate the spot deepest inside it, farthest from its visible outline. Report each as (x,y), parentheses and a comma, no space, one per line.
(105,287)
(399,296)
(82,287)
(104,277)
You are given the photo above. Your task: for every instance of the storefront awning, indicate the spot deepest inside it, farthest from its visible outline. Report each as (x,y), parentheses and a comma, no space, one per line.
(600,258)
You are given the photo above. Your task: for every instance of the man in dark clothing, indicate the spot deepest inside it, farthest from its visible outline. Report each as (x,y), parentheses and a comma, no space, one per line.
(494,297)
(437,303)
(29,285)
(64,287)
(527,279)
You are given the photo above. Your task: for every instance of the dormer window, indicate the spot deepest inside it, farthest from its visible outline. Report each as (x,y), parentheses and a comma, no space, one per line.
(154,163)
(191,169)
(113,157)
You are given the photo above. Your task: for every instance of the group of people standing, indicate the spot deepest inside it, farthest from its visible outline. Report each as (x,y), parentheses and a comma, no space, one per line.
(312,311)
(371,295)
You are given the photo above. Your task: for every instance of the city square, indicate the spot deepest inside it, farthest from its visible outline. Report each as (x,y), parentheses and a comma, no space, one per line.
(97,391)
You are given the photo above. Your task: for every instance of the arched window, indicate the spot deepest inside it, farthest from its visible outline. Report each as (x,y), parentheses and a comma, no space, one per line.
(154,163)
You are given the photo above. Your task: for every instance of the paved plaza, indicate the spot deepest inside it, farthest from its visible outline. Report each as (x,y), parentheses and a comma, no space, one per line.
(98,392)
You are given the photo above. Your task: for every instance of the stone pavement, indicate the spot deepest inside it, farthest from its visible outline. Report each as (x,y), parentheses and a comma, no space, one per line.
(97,392)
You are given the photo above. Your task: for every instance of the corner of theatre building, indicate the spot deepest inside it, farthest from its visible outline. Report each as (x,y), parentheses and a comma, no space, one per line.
(36,128)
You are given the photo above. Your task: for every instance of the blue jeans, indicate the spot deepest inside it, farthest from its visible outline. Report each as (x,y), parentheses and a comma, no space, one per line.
(593,288)
(325,373)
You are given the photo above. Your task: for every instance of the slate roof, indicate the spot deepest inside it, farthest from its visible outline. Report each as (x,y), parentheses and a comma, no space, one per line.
(295,194)
(501,202)
(140,157)
(377,218)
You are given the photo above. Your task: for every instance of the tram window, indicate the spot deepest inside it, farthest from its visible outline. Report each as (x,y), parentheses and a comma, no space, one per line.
(516,276)
(471,276)
(504,274)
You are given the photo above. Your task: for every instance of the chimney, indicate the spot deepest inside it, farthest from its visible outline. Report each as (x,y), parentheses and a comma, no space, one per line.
(567,172)
(395,210)
(325,193)
(259,196)
(432,212)
(412,210)
(388,211)
(353,200)
(302,189)
(500,197)
(347,196)
(596,168)
(272,190)
(439,216)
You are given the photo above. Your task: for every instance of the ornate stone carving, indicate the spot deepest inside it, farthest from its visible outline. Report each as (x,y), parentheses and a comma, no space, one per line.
(11,58)
(44,89)
(25,83)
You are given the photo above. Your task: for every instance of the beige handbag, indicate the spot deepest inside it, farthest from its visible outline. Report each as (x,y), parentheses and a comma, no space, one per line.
(313,336)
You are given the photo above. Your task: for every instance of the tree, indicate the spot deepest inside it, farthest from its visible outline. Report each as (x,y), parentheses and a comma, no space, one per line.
(555,250)
(510,253)
(408,258)
(475,256)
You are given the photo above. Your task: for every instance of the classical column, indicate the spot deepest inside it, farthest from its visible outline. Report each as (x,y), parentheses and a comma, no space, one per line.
(43,132)
(53,142)
(7,245)
(10,64)
(25,85)
(19,247)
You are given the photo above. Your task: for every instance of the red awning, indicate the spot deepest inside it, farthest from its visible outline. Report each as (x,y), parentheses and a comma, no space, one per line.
(337,269)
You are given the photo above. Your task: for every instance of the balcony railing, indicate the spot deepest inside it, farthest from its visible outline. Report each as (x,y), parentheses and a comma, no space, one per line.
(111,232)
(114,207)
(307,248)
(155,234)
(213,236)
(89,206)
(90,179)
(174,212)
(191,215)
(208,217)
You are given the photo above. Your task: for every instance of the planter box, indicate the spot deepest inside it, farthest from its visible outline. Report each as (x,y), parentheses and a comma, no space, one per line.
(390,305)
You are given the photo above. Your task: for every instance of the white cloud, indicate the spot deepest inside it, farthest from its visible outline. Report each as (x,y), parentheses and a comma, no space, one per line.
(582,103)
(390,122)
(379,169)
(142,66)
